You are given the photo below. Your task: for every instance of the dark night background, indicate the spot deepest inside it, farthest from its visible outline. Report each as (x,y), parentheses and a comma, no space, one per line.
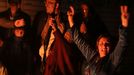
(109,12)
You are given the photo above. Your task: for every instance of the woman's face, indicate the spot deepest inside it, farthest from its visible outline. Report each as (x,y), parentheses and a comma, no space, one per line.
(104,46)
(85,10)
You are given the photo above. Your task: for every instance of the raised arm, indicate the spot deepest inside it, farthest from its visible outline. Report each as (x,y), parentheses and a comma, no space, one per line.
(84,47)
(10,24)
(121,46)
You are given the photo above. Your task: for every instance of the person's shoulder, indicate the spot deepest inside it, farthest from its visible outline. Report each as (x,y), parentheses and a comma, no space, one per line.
(6,10)
(4,13)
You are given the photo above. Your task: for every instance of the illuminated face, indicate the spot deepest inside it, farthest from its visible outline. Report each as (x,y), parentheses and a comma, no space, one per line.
(104,47)
(84,8)
(19,32)
(50,6)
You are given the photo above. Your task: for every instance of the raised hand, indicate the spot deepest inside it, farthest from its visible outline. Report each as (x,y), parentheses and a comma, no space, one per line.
(52,24)
(70,14)
(19,23)
(124,15)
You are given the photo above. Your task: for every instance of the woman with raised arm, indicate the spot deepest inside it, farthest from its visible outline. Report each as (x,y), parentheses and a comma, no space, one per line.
(104,60)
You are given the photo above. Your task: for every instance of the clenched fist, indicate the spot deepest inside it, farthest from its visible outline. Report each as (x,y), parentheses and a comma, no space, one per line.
(19,23)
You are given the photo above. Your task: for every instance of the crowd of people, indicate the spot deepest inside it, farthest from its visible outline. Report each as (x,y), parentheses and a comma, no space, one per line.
(74,42)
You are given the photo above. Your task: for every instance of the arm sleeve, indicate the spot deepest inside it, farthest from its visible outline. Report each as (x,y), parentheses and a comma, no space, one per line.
(120,48)
(84,47)
(6,23)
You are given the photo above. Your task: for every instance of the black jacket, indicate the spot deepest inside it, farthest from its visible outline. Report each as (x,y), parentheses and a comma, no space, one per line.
(106,65)
(7,27)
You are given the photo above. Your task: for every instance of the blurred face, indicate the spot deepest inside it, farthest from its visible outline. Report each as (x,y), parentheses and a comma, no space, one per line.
(19,32)
(50,6)
(84,8)
(103,46)
(14,7)
(83,28)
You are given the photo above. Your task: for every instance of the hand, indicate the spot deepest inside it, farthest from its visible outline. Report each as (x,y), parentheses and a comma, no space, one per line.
(67,36)
(52,24)
(19,23)
(124,15)
(70,14)
(19,33)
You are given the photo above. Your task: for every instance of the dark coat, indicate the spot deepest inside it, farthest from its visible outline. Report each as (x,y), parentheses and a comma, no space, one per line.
(61,60)
(7,29)
(18,56)
(110,63)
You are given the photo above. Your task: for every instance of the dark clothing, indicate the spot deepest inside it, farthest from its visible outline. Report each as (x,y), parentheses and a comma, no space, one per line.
(106,65)
(7,23)
(37,27)
(60,60)
(18,56)
(16,52)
